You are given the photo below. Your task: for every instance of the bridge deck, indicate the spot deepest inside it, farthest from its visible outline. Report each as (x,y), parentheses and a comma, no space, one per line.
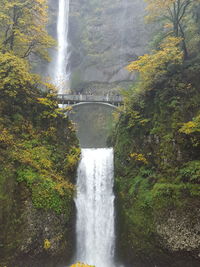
(74,99)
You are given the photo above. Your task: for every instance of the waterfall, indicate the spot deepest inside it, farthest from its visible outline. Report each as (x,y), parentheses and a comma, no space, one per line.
(62,73)
(95,208)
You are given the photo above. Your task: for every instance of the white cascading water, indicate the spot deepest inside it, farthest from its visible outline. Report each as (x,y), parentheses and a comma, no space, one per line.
(61,73)
(95,208)
(95,199)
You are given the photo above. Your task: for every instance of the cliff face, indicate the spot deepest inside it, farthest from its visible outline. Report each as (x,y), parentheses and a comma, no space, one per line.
(180,231)
(37,212)
(32,236)
(104,36)
(39,153)
(157,173)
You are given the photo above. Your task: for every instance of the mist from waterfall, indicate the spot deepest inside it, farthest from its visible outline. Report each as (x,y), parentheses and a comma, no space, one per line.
(95,208)
(62,72)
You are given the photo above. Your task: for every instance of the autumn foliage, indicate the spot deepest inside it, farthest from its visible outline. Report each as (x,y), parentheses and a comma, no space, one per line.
(23,28)
(157,139)
(79,264)
(153,66)
(38,146)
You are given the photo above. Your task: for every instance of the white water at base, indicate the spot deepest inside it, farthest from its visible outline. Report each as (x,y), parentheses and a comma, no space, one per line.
(61,74)
(95,208)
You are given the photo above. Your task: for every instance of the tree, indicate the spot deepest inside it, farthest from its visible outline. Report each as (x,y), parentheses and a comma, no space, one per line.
(23,27)
(152,66)
(173,13)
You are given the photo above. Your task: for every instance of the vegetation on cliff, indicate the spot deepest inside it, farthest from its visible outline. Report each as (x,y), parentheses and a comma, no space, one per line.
(157,147)
(23,28)
(38,146)
(103,37)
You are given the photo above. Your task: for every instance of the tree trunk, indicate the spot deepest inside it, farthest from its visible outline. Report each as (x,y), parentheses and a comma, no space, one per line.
(184,46)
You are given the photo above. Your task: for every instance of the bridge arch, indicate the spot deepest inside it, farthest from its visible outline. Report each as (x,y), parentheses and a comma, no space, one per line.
(96,103)
(94,122)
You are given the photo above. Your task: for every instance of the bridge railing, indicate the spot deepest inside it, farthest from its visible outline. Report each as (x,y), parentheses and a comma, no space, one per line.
(90,98)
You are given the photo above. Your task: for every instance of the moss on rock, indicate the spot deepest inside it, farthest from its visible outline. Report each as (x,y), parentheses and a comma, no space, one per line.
(39,154)
(157,177)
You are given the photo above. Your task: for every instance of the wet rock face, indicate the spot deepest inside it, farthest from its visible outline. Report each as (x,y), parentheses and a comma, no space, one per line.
(35,237)
(44,234)
(180,232)
(52,11)
(105,36)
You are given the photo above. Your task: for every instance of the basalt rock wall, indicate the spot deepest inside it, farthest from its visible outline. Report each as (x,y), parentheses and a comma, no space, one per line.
(104,37)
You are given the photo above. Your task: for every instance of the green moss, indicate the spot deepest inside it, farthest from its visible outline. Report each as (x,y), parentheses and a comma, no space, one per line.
(39,155)
(162,126)
(190,172)
(45,196)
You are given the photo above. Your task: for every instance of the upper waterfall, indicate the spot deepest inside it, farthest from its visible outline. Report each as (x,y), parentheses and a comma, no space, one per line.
(62,72)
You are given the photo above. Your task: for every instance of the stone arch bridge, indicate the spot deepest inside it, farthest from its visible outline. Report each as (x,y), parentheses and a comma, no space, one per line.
(75,100)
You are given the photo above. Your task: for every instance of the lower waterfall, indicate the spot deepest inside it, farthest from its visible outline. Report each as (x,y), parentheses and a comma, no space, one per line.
(95,208)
